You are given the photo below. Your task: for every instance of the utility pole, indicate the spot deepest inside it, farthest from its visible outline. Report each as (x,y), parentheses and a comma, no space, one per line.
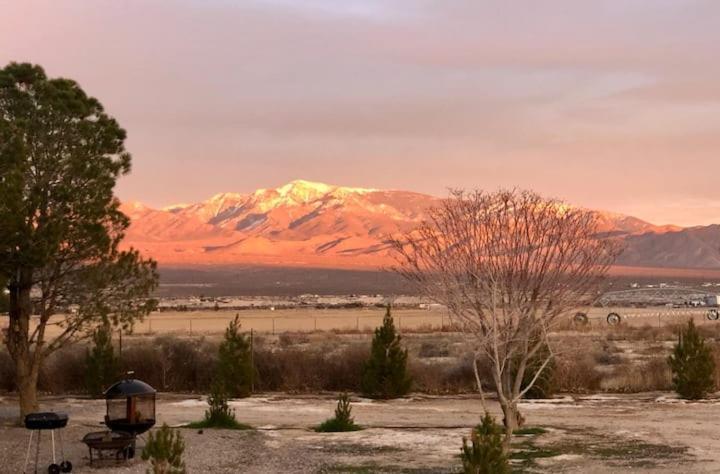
(252,360)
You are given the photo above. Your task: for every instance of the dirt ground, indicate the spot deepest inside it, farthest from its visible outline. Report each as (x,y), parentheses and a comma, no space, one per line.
(651,432)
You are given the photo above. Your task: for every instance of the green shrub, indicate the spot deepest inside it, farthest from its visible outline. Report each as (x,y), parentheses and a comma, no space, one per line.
(692,364)
(484,454)
(101,365)
(545,385)
(219,414)
(164,450)
(385,373)
(342,421)
(234,367)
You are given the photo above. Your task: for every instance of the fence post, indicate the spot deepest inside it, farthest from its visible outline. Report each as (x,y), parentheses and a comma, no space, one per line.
(149,325)
(273,325)
(252,361)
(315,320)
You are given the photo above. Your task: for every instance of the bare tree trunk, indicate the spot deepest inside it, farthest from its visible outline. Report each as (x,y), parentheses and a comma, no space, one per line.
(27,363)
(479,384)
(512,420)
(27,378)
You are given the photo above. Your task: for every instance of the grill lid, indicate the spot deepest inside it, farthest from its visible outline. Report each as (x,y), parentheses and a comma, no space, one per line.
(128,387)
(45,421)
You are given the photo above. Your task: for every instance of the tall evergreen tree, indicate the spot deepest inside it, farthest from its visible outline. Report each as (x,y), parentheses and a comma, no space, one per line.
(234,371)
(692,364)
(101,364)
(61,224)
(385,372)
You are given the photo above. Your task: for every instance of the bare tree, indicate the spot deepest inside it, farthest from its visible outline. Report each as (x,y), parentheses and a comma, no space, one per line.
(507,265)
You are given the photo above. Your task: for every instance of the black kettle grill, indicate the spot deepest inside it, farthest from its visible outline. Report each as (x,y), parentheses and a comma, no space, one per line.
(47,421)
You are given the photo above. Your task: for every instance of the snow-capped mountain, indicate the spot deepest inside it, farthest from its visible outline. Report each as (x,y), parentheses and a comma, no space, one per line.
(307,223)
(299,223)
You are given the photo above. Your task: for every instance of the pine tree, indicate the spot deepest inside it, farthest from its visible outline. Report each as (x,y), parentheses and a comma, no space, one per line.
(692,364)
(385,373)
(342,421)
(485,453)
(101,365)
(219,414)
(165,450)
(234,369)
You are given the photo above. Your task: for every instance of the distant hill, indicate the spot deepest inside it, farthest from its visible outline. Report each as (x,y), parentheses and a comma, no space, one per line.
(320,225)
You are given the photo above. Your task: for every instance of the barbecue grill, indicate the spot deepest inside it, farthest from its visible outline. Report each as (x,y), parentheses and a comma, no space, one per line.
(47,421)
(130,406)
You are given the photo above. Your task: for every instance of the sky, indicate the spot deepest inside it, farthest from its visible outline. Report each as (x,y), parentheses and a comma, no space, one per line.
(611,104)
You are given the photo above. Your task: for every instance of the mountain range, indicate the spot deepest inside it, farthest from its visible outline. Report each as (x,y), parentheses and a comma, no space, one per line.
(320,225)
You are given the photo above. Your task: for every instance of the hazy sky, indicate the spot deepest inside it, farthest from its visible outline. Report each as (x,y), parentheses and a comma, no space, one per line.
(613,104)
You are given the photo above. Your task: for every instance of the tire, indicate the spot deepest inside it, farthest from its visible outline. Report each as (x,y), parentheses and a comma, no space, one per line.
(66,466)
(53,469)
(713,315)
(580,318)
(613,319)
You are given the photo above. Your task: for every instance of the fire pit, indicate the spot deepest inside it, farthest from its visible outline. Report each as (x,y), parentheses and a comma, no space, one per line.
(120,445)
(130,406)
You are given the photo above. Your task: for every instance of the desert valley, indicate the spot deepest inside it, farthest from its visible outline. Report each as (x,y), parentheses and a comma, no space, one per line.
(359,237)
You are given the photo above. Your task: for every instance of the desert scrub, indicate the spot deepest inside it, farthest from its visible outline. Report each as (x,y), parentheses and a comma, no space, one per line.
(484,454)
(342,421)
(165,450)
(692,364)
(219,414)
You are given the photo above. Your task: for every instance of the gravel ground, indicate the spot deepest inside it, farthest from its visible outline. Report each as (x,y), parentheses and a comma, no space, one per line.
(605,434)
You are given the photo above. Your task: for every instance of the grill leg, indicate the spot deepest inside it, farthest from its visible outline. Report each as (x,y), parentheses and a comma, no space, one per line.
(62,448)
(27,453)
(37,450)
(52,435)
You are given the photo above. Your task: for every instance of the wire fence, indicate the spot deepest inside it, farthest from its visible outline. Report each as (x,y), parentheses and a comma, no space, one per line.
(365,320)
(279,324)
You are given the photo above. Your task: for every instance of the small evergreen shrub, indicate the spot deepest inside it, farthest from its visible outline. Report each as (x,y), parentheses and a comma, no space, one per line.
(234,369)
(692,365)
(484,454)
(101,365)
(342,421)
(385,373)
(165,450)
(219,414)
